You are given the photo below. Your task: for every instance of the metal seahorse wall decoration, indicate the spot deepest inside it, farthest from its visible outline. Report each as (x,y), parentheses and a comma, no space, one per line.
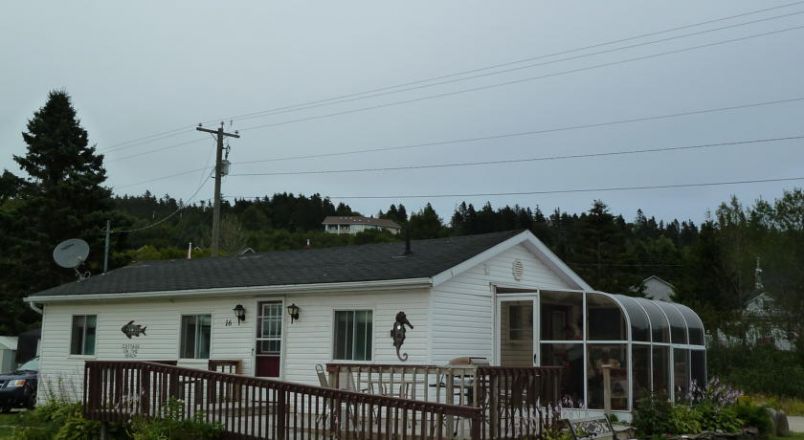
(398,334)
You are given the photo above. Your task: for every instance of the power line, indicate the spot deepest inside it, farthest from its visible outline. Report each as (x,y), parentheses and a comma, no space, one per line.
(558,191)
(183,173)
(305,105)
(528,159)
(518,68)
(491,137)
(169,216)
(530,132)
(158,150)
(146,139)
(521,80)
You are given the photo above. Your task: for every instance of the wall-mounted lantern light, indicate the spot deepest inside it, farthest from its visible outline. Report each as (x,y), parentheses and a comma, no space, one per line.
(293,311)
(240,313)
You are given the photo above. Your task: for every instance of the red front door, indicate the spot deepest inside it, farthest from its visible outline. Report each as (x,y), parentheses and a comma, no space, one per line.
(269,339)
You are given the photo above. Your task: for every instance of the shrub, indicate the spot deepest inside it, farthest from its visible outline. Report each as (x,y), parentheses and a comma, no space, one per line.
(718,419)
(651,416)
(754,415)
(761,369)
(684,420)
(171,426)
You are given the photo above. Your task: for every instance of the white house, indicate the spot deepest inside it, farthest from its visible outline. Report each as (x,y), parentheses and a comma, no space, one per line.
(501,296)
(658,289)
(356,224)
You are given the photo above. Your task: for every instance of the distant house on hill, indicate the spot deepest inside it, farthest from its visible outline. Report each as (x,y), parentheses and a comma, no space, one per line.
(355,224)
(658,289)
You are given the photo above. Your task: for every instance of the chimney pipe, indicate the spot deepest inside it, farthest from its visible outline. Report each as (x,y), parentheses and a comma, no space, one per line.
(408,250)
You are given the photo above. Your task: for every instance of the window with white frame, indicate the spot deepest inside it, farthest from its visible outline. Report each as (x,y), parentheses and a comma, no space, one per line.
(353,334)
(269,328)
(196,331)
(82,341)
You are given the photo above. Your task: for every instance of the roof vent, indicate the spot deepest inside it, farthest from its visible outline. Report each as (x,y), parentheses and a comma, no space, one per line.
(517,269)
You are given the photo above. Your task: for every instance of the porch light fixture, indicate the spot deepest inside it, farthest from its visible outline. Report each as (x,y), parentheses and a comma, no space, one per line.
(293,311)
(240,313)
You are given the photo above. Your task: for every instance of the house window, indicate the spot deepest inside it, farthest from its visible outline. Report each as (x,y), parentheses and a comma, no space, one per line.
(195,336)
(353,331)
(83,335)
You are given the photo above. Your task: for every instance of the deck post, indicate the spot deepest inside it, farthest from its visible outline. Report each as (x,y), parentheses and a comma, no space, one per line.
(281,410)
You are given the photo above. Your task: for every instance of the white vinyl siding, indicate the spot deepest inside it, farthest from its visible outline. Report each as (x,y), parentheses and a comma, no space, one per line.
(310,340)
(463,307)
(62,372)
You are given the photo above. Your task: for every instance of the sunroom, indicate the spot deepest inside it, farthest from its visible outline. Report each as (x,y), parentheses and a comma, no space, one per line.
(613,349)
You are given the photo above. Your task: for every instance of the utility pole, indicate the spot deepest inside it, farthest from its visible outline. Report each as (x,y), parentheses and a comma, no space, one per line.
(216,210)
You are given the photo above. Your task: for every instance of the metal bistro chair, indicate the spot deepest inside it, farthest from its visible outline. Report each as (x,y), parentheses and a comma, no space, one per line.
(344,412)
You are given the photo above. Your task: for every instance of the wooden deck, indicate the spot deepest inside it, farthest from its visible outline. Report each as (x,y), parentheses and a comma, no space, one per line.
(505,404)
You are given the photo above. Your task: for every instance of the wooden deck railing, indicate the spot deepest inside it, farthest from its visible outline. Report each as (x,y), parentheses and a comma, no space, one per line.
(255,408)
(514,402)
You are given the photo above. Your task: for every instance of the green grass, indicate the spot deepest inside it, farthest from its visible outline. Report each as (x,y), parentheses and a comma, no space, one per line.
(790,405)
(792,436)
(7,424)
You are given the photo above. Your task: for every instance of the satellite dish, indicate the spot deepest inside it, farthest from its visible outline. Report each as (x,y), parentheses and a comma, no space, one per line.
(71,253)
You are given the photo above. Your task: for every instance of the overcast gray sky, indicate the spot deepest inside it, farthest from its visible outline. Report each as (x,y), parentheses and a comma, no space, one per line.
(139,68)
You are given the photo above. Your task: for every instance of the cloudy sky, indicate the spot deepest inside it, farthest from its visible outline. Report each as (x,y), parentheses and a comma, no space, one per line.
(138,69)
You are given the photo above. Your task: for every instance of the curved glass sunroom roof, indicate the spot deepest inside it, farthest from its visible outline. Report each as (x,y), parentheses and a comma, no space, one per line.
(660,322)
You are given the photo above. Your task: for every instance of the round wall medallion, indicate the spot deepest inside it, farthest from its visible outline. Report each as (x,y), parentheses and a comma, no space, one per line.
(517,269)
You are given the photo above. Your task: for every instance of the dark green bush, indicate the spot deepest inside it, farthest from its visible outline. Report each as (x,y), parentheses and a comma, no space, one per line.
(754,415)
(762,369)
(171,426)
(651,416)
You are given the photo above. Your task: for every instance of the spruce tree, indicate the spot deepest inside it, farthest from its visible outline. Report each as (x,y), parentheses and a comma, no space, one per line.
(61,197)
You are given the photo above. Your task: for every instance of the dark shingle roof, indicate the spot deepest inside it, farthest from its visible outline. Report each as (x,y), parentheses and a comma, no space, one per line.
(369,262)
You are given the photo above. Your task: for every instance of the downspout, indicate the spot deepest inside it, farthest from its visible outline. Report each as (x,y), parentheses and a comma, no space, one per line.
(35,308)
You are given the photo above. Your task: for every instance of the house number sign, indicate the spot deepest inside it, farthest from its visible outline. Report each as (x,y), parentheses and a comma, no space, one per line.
(130,350)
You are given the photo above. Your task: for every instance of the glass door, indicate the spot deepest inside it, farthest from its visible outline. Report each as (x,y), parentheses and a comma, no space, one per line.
(517,341)
(269,339)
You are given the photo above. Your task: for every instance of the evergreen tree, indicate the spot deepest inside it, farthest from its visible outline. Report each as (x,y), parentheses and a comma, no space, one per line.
(61,197)
(426,224)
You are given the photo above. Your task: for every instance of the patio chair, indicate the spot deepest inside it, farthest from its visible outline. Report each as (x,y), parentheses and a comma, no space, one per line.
(327,411)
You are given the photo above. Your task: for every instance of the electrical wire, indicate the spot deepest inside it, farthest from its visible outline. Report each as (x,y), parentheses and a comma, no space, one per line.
(169,216)
(302,106)
(557,191)
(519,81)
(183,173)
(521,160)
(529,132)
(486,138)
(505,64)
(518,68)
(157,150)
(147,139)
